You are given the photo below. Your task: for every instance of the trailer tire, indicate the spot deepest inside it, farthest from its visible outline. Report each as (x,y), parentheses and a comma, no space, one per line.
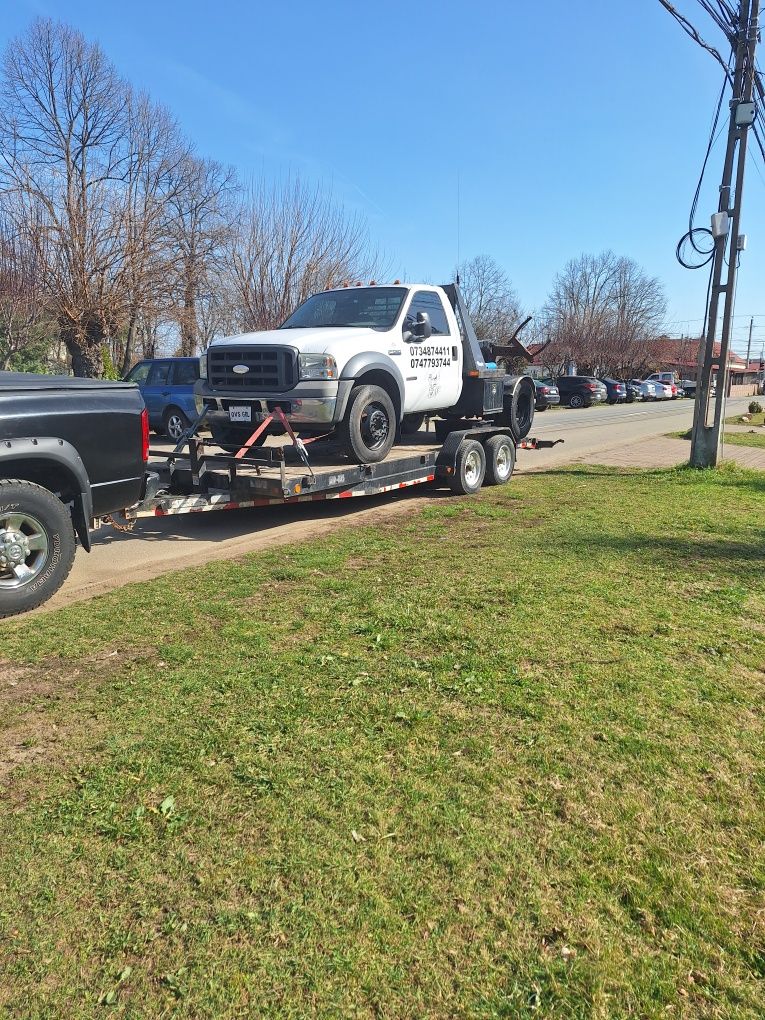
(33,521)
(469,468)
(368,429)
(500,460)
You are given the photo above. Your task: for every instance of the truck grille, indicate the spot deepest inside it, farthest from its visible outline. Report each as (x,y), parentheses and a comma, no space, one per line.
(269,369)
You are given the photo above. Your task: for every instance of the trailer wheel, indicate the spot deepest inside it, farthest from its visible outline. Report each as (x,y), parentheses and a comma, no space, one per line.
(469,469)
(500,460)
(368,430)
(36,545)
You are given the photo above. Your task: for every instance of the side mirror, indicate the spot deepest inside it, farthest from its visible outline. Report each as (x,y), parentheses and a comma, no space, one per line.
(422,328)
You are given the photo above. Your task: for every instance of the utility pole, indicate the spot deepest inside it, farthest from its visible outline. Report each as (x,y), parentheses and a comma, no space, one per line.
(705,437)
(749,344)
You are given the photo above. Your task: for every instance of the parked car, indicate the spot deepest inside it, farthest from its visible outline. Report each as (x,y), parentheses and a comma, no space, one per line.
(72,450)
(668,378)
(688,386)
(547,394)
(617,391)
(581,390)
(647,390)
(167,387)
(664,390)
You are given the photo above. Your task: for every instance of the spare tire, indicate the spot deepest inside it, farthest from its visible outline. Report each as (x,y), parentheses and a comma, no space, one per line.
(520,399)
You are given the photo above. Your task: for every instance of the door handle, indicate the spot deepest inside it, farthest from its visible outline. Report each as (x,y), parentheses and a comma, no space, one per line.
(395,352)
(165,393)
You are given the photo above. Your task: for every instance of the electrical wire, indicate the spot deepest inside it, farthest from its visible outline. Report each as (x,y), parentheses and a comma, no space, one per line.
(700,238)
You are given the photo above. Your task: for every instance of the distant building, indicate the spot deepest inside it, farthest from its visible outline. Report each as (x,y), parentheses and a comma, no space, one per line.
(682,357)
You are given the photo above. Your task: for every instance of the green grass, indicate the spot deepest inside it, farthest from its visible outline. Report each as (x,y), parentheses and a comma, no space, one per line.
(502,757)
(756,439)
(754,419)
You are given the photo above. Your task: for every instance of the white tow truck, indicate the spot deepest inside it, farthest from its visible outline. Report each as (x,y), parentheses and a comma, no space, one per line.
(366,364)
(404,353)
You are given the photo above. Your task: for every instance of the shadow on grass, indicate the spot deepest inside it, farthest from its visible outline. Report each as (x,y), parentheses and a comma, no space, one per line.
(665,549)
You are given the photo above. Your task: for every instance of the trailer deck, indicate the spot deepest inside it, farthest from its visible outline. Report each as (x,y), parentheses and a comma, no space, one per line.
(197,477)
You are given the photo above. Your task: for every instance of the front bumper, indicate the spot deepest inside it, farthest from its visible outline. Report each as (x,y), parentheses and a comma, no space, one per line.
(308,403)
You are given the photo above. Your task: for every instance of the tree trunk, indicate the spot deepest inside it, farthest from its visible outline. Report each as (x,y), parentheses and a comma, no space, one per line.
(127,358)
(189,321)
(85,346)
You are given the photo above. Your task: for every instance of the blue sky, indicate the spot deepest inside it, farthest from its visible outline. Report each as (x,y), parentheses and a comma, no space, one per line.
(579,131)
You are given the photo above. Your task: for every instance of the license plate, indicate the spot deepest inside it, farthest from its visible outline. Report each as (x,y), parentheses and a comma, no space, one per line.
(240,413)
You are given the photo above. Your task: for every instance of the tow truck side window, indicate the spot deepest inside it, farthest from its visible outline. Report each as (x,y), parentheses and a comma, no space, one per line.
(428,301)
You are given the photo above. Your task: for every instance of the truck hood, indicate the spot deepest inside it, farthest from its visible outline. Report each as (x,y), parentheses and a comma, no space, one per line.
(324,340)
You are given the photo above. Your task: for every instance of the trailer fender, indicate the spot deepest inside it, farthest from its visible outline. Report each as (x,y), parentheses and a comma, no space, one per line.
(57,466)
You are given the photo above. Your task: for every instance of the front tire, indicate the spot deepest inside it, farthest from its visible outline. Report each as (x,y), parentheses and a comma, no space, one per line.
(368,429)
(36,546)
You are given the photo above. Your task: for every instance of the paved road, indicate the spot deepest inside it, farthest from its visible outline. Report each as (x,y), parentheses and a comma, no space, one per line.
(160,545)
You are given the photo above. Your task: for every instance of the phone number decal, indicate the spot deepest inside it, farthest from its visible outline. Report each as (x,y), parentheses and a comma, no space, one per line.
(430,357)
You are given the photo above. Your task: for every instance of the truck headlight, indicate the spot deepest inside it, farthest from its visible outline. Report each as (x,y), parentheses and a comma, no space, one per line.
(203,366)
(317,366)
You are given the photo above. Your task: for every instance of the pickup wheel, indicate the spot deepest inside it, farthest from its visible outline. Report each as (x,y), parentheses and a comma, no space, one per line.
(368,430)
(36,545)
(469,469)
(500,460)
(175,423)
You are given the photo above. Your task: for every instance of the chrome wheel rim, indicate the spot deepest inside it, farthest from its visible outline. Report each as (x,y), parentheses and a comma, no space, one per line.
(23,549)
(472,468)
(503,461)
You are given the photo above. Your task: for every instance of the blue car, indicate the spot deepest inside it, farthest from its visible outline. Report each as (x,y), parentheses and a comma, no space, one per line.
(167,388)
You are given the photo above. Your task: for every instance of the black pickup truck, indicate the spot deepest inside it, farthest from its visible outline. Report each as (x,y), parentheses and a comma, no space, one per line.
(71,451)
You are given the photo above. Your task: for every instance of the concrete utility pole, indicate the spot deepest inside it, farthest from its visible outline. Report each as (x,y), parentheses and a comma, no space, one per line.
(749,344)
(705,437)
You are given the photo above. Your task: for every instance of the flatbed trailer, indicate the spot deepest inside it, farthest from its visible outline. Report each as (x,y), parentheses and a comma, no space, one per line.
(461,455)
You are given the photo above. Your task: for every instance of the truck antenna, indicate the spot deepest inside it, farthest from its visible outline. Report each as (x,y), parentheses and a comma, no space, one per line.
(458,230)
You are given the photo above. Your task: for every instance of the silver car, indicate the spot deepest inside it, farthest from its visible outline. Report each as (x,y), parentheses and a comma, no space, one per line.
(646,388)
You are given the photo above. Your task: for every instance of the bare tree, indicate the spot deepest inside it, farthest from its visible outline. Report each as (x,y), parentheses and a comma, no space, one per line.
(200,230)
(601,314)
(492,302)
(291,241)
(62,147)
(26,326)
(156,155)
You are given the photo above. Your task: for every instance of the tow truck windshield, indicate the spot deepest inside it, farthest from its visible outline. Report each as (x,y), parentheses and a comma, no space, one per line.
(370,307)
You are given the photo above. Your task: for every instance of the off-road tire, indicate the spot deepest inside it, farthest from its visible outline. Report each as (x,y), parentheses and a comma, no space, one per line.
(27,500)
(368,429)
